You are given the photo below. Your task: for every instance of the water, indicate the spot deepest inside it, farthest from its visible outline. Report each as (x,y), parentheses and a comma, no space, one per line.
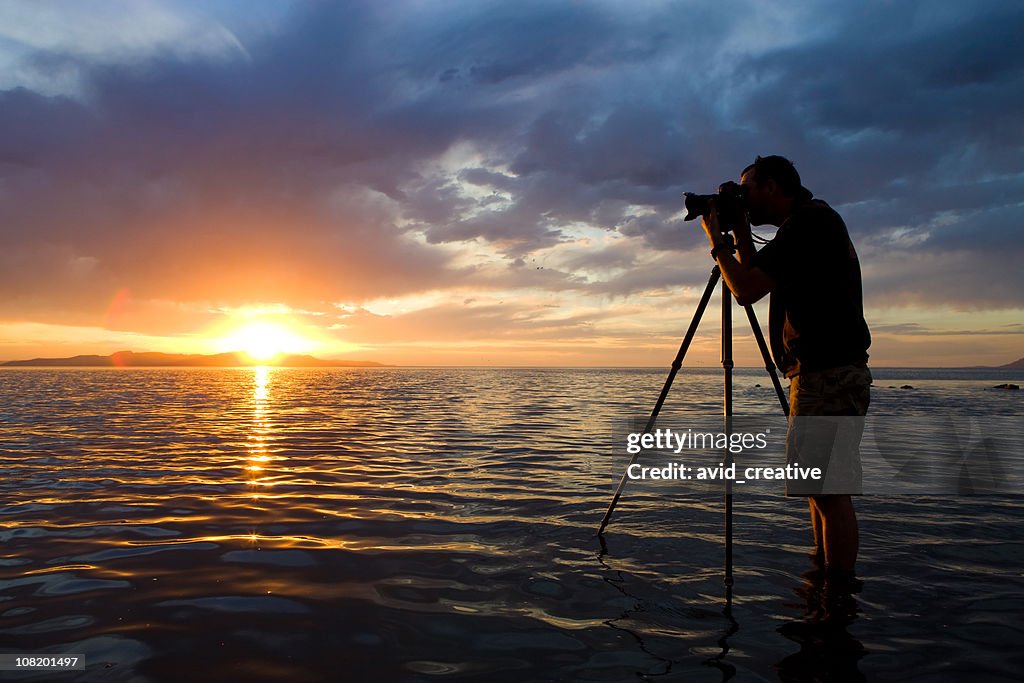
(437,524)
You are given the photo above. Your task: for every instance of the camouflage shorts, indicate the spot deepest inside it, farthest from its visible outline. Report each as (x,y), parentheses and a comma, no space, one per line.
(826,422)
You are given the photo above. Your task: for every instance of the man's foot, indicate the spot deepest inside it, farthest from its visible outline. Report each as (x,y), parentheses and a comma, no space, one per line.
(838,606)
(816,572)
(842,581)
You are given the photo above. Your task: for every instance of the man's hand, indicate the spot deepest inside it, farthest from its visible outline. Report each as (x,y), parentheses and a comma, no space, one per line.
(744,241)
(709,222)
(748,284)
(742,231)
(713,228)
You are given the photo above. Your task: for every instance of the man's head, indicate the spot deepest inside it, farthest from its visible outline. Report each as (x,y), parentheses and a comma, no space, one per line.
(772,187)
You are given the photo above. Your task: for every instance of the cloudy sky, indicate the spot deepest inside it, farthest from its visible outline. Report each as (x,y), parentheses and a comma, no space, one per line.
(493,183)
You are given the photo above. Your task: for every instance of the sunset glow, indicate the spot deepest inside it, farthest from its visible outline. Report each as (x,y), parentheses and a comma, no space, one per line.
(441,195)
(263,340)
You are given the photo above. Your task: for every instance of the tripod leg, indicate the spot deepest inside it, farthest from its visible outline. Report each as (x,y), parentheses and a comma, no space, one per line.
(676,364)
(727,365)
(769,364)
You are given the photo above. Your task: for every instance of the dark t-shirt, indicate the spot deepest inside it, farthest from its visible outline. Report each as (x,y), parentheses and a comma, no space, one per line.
(816,316)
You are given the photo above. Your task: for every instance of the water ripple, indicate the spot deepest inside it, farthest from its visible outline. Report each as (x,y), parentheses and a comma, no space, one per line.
(430,523)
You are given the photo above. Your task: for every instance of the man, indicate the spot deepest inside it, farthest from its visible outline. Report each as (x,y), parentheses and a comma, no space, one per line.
(818,336)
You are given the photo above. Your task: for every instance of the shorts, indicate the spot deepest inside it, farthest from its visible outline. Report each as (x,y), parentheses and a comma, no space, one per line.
(826,422)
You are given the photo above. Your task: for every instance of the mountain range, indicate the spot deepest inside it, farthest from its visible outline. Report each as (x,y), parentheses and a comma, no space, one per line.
(124,359)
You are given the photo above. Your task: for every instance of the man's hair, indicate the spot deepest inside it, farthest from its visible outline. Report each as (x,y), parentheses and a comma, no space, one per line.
(779,169)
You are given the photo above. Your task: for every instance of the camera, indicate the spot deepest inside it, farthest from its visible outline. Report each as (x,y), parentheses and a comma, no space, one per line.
(729,201)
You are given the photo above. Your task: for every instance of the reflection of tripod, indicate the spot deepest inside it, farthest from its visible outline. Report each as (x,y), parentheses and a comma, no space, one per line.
(727,401)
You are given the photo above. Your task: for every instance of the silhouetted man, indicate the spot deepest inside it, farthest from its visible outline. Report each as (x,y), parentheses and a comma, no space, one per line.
(818,336)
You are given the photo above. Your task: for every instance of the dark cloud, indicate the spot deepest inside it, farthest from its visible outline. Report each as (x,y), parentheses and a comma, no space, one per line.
(908,114)
(331,158)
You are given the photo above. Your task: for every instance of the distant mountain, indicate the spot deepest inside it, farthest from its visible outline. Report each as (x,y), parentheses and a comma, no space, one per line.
(1015,365)
(125,359)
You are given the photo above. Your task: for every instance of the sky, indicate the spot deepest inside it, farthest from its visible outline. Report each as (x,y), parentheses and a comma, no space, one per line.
(494,183)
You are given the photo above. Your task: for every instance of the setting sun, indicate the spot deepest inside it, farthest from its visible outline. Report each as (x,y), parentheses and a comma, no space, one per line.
(263,340)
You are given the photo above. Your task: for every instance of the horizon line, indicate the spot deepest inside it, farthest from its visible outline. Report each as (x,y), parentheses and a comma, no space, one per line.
(441,365)
(268,362)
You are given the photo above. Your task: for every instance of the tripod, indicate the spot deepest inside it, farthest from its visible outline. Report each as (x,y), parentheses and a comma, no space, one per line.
(727,365)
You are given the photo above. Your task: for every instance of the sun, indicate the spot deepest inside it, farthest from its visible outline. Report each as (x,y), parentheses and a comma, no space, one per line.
(263,340)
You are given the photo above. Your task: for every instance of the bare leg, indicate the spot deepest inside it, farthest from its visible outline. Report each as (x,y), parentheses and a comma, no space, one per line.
(817,527)
(839,531)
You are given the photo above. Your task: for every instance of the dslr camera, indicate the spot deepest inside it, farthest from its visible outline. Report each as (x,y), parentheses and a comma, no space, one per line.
(729,201)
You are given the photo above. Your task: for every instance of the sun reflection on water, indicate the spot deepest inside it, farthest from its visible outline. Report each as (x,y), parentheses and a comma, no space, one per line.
(259,453)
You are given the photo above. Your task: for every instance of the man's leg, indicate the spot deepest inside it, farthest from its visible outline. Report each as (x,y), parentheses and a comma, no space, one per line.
(839,531)
(817,527)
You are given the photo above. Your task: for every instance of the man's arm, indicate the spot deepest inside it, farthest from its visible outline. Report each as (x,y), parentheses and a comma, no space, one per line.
(744,245)
(747,282)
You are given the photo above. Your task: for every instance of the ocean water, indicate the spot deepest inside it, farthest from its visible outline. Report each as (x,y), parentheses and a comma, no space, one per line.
(417,524)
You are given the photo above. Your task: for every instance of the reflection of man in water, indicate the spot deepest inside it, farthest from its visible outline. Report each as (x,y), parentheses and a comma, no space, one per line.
(818,334)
